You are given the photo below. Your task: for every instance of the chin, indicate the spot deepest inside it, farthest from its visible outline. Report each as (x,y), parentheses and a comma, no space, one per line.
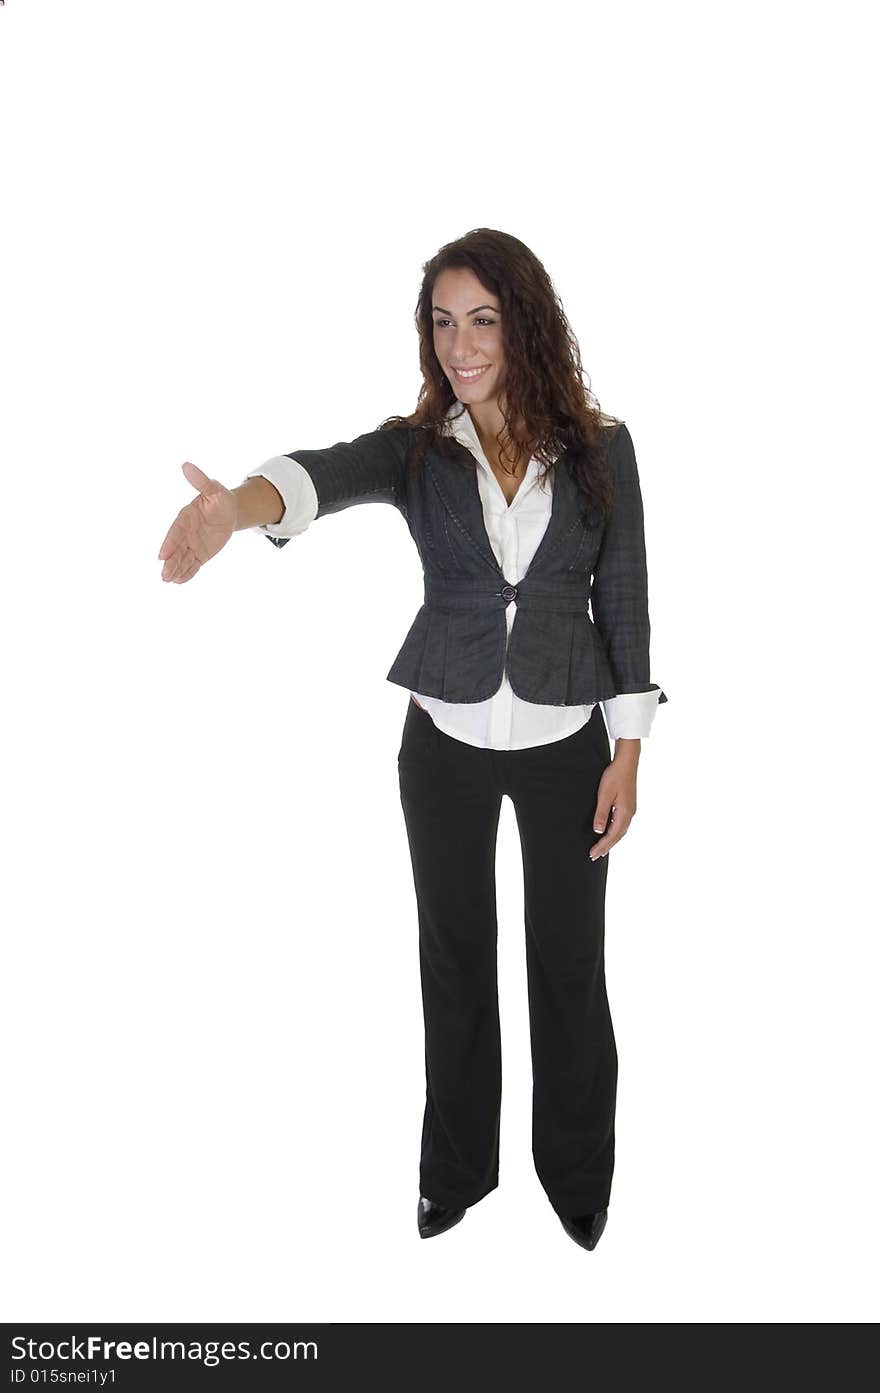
(483,390)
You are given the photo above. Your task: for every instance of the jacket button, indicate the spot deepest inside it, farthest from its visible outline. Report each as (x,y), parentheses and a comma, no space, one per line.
(509,592)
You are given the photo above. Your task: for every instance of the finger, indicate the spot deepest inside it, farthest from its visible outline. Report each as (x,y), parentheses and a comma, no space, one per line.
(178,562)
(189,568)
(173,538)
(603,812)
(619,827)
(190,571)
(171,551)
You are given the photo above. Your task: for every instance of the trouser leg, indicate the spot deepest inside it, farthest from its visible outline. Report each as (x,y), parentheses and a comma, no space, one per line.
(574,1057)
(451,809)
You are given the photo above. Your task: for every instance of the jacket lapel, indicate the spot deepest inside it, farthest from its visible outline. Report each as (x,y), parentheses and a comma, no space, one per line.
(456,484)
(458,489)
(565,516)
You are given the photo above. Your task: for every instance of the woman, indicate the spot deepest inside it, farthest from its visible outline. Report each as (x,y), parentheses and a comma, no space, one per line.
(523,500)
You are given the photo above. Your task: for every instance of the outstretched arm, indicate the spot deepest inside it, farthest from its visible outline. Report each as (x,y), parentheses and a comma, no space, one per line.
(311,483)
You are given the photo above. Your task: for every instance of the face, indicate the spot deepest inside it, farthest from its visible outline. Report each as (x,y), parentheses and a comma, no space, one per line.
(467,336)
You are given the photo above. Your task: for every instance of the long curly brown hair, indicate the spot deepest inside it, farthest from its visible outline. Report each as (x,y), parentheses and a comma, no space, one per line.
(546,403)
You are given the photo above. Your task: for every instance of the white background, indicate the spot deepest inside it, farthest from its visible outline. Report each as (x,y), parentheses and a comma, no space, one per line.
(214,219)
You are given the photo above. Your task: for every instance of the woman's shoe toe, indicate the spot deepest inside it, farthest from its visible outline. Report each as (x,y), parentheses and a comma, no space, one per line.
(586,1229)
(436,1218)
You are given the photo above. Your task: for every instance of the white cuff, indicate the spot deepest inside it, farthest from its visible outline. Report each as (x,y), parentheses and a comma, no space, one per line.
(298,492)
(630,715)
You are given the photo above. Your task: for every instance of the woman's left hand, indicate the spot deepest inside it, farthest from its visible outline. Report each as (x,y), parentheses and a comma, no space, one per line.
(616,801)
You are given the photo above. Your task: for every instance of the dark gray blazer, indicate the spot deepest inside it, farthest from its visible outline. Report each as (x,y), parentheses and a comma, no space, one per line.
(457,646)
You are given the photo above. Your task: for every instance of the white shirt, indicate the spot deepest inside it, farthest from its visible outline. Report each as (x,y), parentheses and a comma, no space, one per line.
(504,721)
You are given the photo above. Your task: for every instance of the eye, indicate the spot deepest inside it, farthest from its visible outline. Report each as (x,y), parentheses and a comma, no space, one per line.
(438,323)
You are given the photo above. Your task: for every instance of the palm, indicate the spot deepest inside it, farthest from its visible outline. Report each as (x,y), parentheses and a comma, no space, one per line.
(200,529)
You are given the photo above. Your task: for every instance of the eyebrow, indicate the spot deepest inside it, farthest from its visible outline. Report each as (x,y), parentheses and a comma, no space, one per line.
(476,311)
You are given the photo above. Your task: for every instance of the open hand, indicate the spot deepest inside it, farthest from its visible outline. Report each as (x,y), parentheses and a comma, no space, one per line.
(200,529)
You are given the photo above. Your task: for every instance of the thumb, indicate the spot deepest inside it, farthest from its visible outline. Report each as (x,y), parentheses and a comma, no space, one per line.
(197,477)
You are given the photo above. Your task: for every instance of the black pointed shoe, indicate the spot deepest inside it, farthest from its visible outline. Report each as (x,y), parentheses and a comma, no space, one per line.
(586,1229)
(436,1218)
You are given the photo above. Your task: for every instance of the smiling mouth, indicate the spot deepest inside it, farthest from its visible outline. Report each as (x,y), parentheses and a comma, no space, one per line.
(471,374)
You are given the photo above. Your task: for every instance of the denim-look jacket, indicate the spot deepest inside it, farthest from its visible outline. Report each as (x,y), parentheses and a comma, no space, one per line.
(457,646)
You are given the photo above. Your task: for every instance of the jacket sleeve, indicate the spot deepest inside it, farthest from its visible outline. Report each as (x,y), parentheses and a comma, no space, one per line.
(369,469)
(619,595)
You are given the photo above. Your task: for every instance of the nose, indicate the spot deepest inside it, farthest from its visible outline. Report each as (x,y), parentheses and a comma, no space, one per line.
(462,346)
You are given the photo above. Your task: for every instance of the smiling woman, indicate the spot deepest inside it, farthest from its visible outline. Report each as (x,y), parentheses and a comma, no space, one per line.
(469,344)
(524,504)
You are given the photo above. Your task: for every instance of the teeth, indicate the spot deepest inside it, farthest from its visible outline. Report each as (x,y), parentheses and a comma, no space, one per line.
(473,372)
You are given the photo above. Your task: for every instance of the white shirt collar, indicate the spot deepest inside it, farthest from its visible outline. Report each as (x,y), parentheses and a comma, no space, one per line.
(459,423)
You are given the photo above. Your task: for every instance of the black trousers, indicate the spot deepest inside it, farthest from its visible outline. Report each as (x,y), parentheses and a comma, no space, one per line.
(451,796)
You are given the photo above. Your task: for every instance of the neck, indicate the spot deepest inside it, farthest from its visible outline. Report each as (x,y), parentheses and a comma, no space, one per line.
(488,422)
